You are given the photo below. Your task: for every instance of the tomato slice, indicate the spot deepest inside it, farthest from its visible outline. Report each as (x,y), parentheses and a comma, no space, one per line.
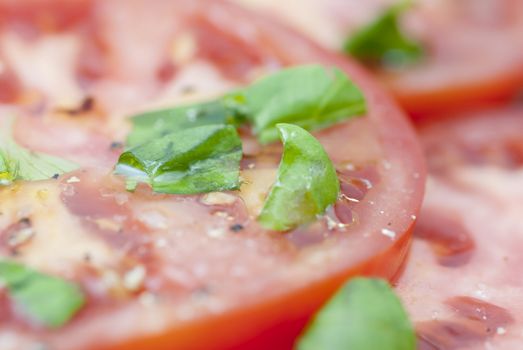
(459,72)
(10,84)
(469,232)
(474,48)
(31,17)
(198,272)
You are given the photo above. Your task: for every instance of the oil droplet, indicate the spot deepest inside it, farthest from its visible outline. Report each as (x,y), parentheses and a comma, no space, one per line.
(481,291)
(217,232)
(73,179)
(389,233)
(134,278)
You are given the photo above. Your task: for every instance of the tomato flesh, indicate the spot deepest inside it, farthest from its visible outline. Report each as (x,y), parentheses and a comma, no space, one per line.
(469,232)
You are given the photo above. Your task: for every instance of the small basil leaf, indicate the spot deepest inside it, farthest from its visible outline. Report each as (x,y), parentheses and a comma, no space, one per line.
(310,96)
(306,183)
(19,163)
(196,160)
(382,42)
(48,300)
(152,125)
(364,314)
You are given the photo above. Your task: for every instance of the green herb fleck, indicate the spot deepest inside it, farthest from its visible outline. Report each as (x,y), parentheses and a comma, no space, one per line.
(48,300)
(383,43)
(364,314)
(306,183)
(8,169)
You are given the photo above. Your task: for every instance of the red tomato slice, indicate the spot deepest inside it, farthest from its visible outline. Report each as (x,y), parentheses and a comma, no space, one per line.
(475,56)
(30,17)
(462,284)
(198,272)
(10,85)
(474,48)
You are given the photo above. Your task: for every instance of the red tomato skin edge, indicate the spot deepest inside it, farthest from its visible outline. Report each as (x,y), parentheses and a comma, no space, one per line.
(431,105)
(273,324)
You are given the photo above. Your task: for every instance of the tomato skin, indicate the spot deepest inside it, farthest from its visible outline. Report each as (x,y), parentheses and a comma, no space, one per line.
(435,104)
(272,324)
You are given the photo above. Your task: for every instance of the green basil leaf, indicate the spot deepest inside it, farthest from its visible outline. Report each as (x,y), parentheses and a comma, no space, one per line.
(382,42)
(310,96)
(364,314)
(196,160)
(19,163)
(306,183)
(153,125)
(8,169)
(48,300)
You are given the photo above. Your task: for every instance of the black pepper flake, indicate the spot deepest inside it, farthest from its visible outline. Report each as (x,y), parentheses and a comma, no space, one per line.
(236,227)
(55,176)
(86,106)
(25,221)
(116,145)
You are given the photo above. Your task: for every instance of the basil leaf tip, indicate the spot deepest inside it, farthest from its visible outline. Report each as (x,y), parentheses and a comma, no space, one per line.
(195,160)
(19,163)
(364,314)
(382,42)
(8,169)
(310,96)
(306,182)
(155,124)
(48,300)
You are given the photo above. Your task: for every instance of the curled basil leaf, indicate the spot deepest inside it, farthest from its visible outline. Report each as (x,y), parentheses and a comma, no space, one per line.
(306,183)
(48,300)
(364,314)
(196,160)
